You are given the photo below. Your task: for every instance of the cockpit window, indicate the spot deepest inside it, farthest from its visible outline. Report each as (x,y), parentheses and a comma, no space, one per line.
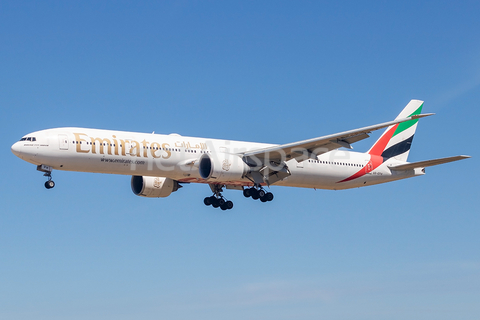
(28,139)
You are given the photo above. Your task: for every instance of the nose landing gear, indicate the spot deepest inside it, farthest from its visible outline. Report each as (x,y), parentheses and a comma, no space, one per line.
(49,184)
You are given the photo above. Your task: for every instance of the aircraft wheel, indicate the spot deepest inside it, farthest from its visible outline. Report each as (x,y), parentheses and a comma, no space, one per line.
(254,194)
(269,196)
(261,193)
(246,193)
(207,201)
(221,202)
(229,204)
(263,199)
(215,203)
(49,184)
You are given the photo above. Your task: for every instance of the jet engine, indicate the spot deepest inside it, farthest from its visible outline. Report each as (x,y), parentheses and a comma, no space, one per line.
(153,187)
(222,168)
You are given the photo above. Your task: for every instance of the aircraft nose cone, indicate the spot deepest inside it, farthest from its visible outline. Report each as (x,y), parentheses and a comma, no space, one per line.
(16,149)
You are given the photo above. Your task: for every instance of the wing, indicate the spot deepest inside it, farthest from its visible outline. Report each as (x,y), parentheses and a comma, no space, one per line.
(311,148)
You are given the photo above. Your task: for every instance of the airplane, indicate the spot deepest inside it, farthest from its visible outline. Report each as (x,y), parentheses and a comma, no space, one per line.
(161,164)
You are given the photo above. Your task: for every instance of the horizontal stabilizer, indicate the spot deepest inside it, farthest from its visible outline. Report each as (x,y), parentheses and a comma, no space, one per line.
(426,163)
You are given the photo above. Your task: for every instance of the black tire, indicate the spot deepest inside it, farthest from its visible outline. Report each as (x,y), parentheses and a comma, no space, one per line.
(215,203)
(246,193)
(269,196)
(263,199)
(49,184)
(221,201)
(223,207)
(229,204)
(254,194)
(261,193)
(207,201)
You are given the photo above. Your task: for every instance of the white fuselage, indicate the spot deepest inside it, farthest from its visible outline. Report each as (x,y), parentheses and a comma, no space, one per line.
(176,157)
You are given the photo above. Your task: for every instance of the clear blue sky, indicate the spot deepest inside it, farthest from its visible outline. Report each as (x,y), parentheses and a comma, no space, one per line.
(276,71)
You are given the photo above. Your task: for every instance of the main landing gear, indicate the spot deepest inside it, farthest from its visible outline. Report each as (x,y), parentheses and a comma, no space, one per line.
(49,184)
(258,194)
(218,202)
(217,199)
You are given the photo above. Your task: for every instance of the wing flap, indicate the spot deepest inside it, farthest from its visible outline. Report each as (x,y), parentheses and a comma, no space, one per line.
(426,163)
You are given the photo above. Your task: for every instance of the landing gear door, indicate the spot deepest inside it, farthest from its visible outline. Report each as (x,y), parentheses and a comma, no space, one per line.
(63,141)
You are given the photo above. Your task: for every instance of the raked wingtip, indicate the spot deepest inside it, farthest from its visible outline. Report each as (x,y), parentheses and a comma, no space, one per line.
(418,116)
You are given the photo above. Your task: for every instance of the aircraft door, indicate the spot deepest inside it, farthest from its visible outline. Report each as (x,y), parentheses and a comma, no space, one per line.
(130,148)
(63,141)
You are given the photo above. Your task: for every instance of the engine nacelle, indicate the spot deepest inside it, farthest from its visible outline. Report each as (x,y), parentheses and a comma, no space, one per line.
(153,187)
(224,167)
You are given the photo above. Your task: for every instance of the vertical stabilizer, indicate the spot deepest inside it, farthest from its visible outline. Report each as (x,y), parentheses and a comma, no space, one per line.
(395,142)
